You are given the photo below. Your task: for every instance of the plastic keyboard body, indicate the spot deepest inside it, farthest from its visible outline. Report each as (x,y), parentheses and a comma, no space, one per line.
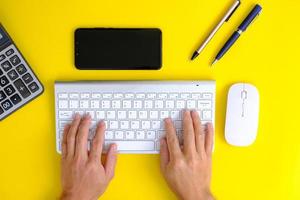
(132,110)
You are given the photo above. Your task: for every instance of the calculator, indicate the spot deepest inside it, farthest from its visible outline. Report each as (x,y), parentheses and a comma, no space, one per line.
(18,83)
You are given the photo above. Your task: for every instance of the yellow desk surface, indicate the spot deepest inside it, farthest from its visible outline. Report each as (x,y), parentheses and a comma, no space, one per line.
(267,55)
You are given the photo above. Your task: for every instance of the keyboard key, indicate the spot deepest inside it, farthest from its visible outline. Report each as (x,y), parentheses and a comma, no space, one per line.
(95,104)
(15,60)
(84,104)
(207,95)
(105,104)
(6,66)
(148,104)
(74,96)
(107,96)
(145,124)
(129,135)
(150,135)
(124,124)
(15,99)
(27,78)
(21,69)
(158,104)
(155,124)
(108,135)
(140,96)
(164,114)
(126,104)
(96,95)
(12,74)
(9,90)
(116,104)
(111,114)
(74,104)
(63,104)
(113,125)
(91,113)
(191,104)
(2,57)
(163,96)
(204,104)
(137,104)
(121,114)
(100,114)
(129,96)
(2,96)
(65,114)
(6,104)
(132,114)
(170,104)
(175,115)
(140,135)
(151,96)
(118,96)
(22,88)
(153,114)
(3,81)
(135,124)
(119,135)
(63,95)
(9,52)
(131,145)
(85,96)
(206,115)
(180,104)
(143,114)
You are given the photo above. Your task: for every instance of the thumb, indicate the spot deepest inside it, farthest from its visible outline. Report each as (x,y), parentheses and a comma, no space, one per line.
(111,161)
(164,154)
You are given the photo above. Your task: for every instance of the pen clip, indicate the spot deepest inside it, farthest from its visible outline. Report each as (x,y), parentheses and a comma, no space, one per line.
(233,11)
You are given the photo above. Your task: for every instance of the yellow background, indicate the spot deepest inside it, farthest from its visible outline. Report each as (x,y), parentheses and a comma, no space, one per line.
(267,55)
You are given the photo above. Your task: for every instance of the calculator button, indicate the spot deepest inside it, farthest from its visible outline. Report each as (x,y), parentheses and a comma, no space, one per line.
(15,99)
(2,96)
(2,57)
(6,66)
(3,81)
(12,75)
(22,88)
(15,60)
(6,104)
(21,69)
(9,52)
(9,90)
(33,87)
(1,111)
(27,78)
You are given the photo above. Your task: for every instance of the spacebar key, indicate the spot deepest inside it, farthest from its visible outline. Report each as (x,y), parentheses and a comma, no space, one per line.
(132,145)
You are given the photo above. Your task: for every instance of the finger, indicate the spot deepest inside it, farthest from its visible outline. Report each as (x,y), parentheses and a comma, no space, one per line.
(164,154)
(199,132)
(209,139)
(64,141)
(82,137)
(188,134)
(111,161)
(97,144)
(72,135)
(172,140)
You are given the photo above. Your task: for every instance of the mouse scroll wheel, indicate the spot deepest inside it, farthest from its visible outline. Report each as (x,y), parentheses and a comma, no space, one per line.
(244,94)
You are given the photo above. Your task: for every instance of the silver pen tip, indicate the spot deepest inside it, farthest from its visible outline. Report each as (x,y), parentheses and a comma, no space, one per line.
(215,61)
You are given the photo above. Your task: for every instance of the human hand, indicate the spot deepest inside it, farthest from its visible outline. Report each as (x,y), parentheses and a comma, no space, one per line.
(187,169)
(83,174)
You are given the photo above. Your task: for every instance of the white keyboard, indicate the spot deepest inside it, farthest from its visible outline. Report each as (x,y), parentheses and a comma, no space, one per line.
(132,110)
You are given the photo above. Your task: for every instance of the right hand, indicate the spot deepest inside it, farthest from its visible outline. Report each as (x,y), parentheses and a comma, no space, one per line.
(187,170)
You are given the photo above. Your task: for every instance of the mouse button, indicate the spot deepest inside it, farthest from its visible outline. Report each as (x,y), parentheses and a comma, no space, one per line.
(244,94)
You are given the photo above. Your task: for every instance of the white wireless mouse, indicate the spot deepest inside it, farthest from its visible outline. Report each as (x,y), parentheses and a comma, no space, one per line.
(242,114)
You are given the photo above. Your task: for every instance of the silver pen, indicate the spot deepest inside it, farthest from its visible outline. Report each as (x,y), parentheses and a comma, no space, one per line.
(211,35)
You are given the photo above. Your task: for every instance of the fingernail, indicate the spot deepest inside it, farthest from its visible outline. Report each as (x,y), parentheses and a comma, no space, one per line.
(101,123)
(167,120)
(114,147)
(76,116)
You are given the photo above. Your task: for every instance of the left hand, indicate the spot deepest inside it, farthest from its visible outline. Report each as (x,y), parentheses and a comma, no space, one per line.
(83,174)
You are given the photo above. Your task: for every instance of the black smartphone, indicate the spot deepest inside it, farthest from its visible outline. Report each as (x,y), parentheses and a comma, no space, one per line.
(118,48)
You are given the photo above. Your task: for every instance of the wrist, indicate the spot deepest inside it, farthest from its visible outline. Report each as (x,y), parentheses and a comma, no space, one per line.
(200,195)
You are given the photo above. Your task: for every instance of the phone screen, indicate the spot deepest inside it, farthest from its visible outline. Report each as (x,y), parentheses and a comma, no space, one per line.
(109,48)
